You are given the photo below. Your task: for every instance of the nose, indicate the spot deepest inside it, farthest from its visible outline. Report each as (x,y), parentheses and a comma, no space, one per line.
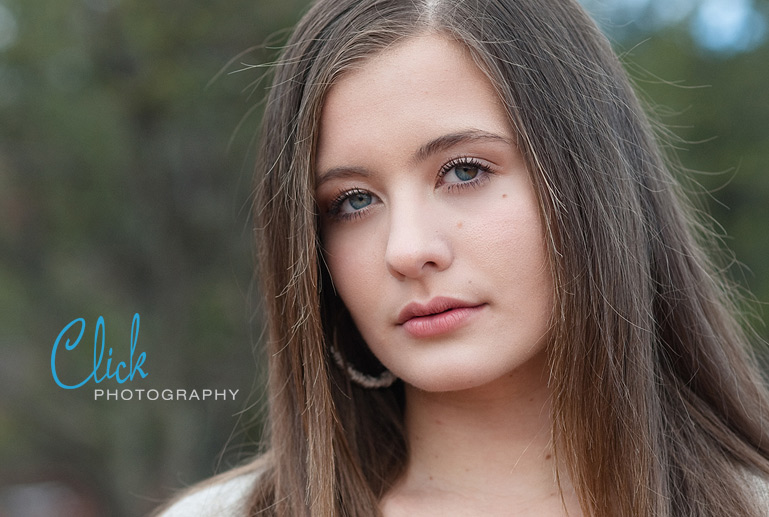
(417,243)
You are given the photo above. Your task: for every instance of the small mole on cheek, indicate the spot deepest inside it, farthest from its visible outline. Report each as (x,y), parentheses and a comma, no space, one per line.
(459,224)
(504,196)
(548,457)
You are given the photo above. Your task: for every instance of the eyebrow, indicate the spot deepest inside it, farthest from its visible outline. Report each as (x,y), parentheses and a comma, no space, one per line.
(432,147)
(448,141)
(341,173)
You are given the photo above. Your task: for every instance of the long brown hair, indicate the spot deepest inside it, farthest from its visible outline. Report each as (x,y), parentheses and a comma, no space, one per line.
(658,409)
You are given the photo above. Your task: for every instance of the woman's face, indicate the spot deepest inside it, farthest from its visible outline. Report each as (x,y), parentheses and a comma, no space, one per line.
(429,221)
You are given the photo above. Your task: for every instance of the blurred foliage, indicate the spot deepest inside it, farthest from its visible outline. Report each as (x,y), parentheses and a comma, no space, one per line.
(714,105)
(125,187)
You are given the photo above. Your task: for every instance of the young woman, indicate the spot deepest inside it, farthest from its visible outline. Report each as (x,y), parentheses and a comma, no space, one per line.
(485,295)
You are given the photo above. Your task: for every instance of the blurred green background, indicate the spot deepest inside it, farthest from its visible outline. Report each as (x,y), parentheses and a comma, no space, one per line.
(126,150)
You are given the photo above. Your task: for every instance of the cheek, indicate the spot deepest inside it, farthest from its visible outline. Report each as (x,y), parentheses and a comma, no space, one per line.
(512,248)
(351,257)
(508,232)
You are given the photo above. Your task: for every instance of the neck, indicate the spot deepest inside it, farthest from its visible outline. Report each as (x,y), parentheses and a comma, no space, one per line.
(489,446)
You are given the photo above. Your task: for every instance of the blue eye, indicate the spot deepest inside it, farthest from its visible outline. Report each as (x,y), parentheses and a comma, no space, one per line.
(464,172)
(351,203)
(461,171)
(359,200)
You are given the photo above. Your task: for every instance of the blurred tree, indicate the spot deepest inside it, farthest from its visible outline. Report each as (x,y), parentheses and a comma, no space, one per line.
(701,67)
(118,196)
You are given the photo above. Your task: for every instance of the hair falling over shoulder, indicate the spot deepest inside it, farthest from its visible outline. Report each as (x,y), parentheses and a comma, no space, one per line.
(658,407)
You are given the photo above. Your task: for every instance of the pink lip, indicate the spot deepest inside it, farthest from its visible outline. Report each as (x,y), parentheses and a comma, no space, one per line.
(439,316)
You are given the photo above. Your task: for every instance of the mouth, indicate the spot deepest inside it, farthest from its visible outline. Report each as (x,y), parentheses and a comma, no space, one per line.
(439,316)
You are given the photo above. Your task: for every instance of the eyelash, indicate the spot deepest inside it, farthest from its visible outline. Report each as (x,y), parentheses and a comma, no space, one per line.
(334,209)
(470,162)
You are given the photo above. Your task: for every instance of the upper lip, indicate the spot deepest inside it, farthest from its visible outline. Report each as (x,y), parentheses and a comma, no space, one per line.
(434,306)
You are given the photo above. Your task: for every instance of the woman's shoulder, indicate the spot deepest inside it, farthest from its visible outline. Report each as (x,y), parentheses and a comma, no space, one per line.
(226,495)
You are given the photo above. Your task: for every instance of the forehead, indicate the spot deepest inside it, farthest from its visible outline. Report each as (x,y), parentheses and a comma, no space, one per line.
(417,89)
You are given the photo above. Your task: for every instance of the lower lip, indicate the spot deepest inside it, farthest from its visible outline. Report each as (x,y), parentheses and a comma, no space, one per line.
(443,323)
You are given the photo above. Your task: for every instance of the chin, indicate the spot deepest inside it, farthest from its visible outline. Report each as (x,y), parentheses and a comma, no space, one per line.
(441,380)
(487,374)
